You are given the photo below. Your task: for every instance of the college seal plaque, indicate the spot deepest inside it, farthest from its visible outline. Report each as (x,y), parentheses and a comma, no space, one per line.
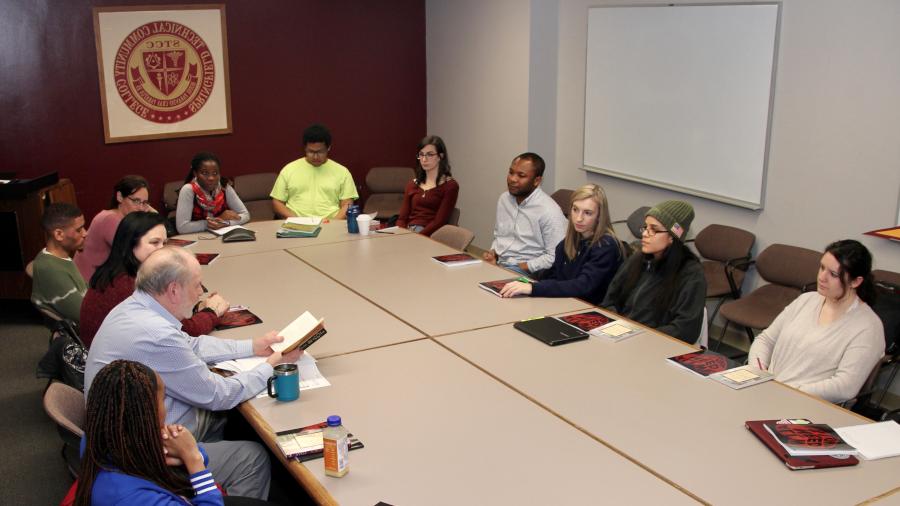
(164,72)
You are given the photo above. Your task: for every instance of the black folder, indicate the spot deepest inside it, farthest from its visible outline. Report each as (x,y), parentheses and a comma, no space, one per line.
(551,331)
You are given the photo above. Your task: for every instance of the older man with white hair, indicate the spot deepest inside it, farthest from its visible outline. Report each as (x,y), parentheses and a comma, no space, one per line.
(146,328)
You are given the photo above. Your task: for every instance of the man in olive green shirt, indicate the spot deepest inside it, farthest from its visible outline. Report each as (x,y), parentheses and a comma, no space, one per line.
(314,185)
(57,283)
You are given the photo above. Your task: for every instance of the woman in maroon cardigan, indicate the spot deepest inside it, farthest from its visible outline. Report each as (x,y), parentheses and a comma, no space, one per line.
(429,199)
(139,234)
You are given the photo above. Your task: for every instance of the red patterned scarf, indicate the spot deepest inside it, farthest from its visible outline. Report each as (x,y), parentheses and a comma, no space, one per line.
(206,204)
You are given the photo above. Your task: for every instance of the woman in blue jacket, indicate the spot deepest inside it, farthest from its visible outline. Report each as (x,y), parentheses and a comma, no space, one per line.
(586,260)
(129,454)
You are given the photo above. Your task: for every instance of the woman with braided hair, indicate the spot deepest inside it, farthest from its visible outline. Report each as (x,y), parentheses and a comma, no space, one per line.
(129,455)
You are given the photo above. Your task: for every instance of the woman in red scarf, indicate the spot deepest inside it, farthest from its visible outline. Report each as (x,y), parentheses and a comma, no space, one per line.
(207,200)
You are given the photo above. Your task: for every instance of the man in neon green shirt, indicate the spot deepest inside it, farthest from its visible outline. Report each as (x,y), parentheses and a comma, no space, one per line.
(314,185)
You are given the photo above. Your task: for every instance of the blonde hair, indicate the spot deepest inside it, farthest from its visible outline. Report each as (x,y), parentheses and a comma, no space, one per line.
(602,227)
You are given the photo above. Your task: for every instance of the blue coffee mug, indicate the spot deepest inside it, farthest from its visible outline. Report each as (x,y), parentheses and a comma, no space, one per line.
(286,381)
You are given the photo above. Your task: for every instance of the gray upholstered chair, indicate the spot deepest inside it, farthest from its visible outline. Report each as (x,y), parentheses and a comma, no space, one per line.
(726,255)
(790,271)
(453,236)
(254,190)
(65,406)
(386,185)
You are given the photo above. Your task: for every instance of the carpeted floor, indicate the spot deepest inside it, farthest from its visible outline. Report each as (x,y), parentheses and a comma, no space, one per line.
(32,470)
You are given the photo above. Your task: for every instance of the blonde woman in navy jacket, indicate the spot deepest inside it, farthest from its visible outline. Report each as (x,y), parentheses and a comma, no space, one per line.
(586,260)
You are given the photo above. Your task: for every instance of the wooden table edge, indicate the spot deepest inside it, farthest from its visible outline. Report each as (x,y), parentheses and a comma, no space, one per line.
(310,483)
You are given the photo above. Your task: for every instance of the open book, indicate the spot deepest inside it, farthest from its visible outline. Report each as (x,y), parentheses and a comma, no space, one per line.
(301,333)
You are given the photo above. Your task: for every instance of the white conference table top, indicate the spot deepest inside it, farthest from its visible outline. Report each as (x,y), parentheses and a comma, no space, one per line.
(278,288)
(380,294)
(684,427)
(400,276)
(332,232)
(439,431)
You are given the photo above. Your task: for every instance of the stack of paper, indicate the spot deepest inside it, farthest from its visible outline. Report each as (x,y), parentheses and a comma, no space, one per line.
(873,440)
(225,230)
(310,377)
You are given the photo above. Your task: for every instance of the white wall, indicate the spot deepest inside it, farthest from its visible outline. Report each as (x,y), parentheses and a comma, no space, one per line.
(478,82)
(834,167)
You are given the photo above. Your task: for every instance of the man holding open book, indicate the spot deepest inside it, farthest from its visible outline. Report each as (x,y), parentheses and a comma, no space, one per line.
(146,328)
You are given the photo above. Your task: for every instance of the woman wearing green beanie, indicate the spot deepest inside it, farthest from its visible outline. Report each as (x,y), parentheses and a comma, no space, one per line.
(663,286)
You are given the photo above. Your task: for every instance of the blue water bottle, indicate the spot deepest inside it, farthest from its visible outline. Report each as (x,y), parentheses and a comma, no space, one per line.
(352,213)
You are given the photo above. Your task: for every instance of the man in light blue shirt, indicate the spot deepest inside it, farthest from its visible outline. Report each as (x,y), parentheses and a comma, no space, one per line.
(529,223)
(146,328)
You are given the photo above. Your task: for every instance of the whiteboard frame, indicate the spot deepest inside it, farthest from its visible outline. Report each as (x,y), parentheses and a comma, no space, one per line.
(768,134)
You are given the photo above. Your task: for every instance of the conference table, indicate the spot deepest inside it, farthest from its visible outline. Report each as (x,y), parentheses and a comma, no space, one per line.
(456,406)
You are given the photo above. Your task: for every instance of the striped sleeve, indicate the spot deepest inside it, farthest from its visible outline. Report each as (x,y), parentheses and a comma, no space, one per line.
(205,489)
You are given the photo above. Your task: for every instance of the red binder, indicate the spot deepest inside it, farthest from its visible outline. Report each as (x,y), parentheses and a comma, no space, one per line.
(796,463)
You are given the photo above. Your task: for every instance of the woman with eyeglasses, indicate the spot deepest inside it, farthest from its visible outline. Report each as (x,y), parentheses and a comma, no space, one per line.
(826,342)
(429,199)
(662,286)
(207,201)
(139,234)
(131,193)
(586,260)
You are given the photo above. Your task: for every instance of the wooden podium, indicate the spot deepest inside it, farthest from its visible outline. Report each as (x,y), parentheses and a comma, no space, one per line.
(23,236)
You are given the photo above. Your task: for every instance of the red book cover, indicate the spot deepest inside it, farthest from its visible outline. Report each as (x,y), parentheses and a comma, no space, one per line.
(757,427)
(456,259)
(495,286)
(703,362)
(206,258)
(814,438)
(587,321)
(239,318)
(184,243)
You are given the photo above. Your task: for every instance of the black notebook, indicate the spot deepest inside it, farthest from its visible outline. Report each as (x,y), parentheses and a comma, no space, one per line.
(551,331)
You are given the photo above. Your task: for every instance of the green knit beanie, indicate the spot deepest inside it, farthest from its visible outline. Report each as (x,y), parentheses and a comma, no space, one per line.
(675,215)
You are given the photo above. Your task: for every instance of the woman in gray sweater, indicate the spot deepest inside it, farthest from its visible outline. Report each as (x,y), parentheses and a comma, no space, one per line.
(662,286)
(826,342)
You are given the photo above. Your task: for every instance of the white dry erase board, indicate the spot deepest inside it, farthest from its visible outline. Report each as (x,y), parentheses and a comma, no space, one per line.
(680,97)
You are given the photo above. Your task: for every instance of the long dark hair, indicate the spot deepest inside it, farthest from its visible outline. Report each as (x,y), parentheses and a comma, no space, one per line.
(667,267)
(121,257)
(127,186)
(443,159)
(197,162)
(122,430)
(856,261)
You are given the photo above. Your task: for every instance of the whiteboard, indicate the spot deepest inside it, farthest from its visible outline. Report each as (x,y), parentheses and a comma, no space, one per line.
(680,97)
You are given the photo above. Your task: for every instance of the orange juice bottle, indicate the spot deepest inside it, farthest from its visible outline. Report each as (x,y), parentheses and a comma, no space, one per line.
(337,448)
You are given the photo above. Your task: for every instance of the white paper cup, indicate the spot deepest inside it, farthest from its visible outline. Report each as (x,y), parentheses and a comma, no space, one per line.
(365,223)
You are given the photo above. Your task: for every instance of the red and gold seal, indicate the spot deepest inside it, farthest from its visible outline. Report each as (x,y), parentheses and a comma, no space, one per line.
(164,72)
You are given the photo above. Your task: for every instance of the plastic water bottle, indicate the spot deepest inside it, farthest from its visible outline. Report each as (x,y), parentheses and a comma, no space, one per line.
(352,213)
(336,442)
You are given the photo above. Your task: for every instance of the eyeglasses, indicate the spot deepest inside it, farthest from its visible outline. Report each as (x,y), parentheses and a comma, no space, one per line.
(650,231)
(426,156)
(138,202)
